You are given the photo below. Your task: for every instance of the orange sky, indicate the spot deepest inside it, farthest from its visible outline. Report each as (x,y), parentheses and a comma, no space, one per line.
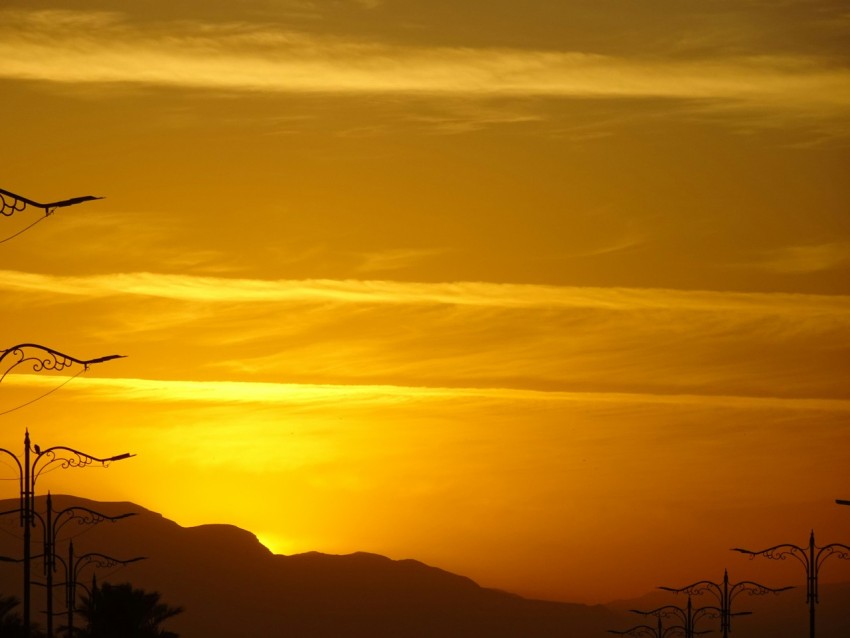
(555,295)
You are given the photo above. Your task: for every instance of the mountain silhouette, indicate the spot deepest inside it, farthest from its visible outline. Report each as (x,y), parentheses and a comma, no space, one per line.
(230,584)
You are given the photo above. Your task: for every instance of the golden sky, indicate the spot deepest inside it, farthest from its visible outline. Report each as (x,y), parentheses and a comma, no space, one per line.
(555,295)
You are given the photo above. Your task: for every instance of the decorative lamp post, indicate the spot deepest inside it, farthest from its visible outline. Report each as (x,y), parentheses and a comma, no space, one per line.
(41,359)
(811,558)
(659,631)
(35,462)
(688,617)
(725,594)
(73,567)
(51,524)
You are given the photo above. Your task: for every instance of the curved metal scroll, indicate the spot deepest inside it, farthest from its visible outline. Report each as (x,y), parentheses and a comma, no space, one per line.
(43,358)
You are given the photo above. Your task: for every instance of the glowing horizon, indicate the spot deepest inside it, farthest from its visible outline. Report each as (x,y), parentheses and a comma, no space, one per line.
(536,294)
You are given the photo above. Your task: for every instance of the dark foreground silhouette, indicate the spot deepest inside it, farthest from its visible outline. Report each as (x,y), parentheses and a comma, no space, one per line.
(229,584)
(111,610)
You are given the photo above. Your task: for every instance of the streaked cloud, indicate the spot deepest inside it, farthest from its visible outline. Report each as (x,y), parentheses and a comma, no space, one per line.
(321,396)
(51,46)
(392,260)
(306,270)
(806,259)
(230,290)
(452,335)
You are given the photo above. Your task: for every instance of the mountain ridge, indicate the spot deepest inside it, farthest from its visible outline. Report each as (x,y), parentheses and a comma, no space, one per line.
(231,584)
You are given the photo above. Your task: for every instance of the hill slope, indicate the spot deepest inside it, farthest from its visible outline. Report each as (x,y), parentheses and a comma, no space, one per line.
(232,585)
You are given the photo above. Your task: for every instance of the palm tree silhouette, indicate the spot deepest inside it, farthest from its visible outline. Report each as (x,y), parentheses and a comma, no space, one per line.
(119,611)
(11,625)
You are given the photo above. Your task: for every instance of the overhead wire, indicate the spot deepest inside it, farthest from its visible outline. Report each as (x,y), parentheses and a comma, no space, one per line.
(25,229)
(48,393)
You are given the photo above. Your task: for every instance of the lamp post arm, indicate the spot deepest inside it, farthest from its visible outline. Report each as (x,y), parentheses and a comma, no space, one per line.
(83,516)
(13,202)
(833,549)
(666,611)
(46,358)
(779,552)
(698,588)
(15,458)
(20,467)
(101,560)
(65,569)
(754,589)
(90,458)
(42,358)
(709,611)
(73,458)
(637,630)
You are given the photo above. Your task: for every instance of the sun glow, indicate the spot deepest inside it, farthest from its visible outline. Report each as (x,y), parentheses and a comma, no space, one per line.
(420,280)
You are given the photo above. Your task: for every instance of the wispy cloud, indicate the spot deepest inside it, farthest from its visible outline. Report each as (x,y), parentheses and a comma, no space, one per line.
(462,334)
(255,58)
(464,293)
(324,395)
(806,259)
(392,260)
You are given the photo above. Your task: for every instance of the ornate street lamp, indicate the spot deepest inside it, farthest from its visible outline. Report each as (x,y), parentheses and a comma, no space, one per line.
(659,631)
(40,359)
(687,617)
(10,203)
(35,462)
(811,558)
(73,567)
(725,594)
(51,524)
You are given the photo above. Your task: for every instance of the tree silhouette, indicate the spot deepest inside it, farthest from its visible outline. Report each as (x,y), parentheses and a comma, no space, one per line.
(119,611)
(11,625)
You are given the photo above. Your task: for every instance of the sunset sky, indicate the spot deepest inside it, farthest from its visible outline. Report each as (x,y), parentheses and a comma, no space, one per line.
(552,294)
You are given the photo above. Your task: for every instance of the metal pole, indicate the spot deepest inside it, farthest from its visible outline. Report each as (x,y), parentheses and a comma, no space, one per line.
(725,606)
(71,594)
(48,562)
(27,528)
(812,590)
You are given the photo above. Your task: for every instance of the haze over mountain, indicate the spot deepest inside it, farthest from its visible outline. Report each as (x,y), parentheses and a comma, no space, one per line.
(230,584)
